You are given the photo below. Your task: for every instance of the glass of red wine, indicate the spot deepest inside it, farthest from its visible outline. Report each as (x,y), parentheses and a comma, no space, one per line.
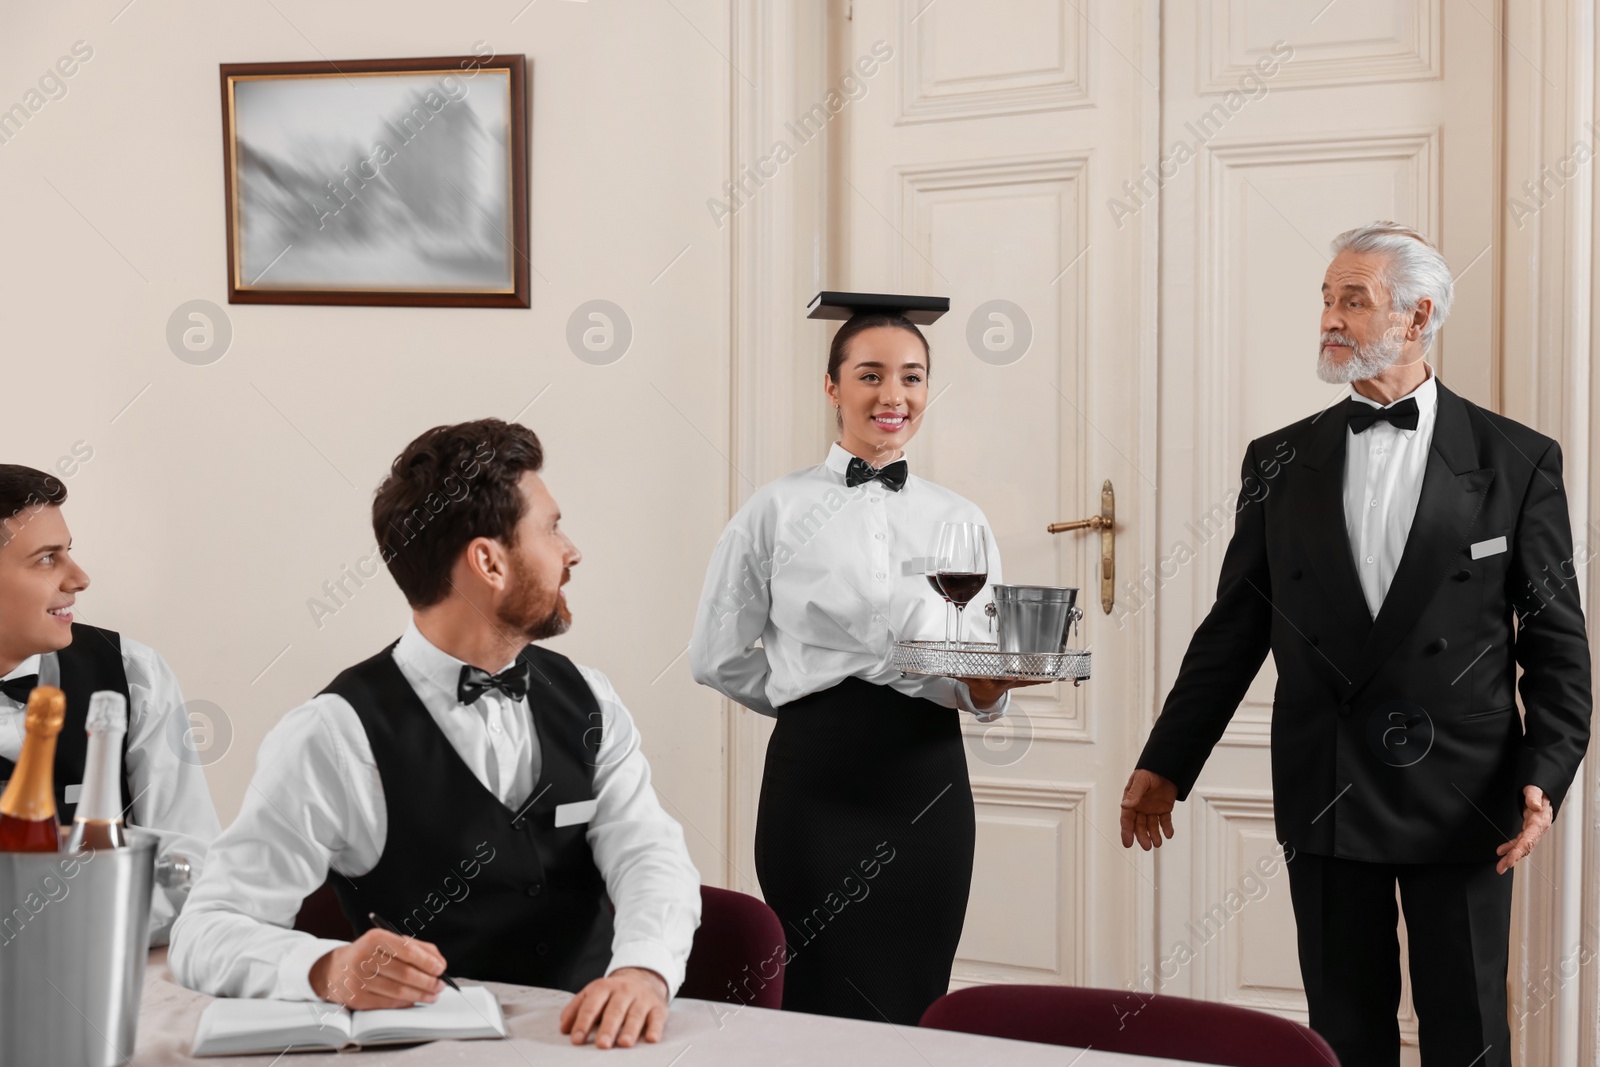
(963,555)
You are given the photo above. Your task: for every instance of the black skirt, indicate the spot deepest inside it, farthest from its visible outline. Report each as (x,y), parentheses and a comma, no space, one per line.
(863,847)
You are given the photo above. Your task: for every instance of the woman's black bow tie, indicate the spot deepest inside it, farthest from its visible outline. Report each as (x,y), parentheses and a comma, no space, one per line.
(892,476)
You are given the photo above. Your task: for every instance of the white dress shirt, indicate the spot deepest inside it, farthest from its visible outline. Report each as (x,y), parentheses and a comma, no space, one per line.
(1383,473)
(826,577)
(316,802)
(170,795)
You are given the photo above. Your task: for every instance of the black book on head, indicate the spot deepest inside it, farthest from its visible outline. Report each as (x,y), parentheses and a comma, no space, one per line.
(920,310)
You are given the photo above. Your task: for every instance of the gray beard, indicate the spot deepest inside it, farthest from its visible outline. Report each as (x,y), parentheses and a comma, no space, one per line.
(1365,361)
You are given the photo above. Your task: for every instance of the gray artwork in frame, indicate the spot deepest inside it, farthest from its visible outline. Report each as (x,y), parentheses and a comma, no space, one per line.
(397,182)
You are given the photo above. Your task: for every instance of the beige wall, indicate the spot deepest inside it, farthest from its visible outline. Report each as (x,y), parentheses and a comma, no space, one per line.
(219,503)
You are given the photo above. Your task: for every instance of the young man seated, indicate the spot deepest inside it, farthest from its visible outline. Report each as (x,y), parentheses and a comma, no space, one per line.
(164,785)
(486,796)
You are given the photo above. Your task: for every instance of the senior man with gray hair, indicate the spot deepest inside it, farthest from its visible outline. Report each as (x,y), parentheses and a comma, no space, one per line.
(1401,554)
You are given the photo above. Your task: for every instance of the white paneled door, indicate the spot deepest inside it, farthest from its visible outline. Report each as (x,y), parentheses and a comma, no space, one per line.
(979,166)
(1130,205)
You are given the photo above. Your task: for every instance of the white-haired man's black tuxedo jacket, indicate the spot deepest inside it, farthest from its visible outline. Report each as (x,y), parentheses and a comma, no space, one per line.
(1396,740)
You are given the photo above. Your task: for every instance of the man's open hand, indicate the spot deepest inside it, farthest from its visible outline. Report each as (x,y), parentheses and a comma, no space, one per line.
(617,1008)
(1147,804)
(379,970)
(1537,814)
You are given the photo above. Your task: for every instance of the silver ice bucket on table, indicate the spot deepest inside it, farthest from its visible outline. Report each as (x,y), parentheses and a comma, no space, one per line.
(1034,618)
(74,939)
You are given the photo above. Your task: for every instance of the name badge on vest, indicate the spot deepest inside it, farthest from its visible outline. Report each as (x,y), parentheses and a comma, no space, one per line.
(580,811)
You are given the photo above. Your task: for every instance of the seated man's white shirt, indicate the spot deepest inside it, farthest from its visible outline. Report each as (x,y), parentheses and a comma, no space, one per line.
(316,803)
(164,770)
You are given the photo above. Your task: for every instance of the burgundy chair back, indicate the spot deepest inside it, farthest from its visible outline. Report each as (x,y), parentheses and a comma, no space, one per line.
(1142,1024)
(738,952)
(321,916)
(737,956)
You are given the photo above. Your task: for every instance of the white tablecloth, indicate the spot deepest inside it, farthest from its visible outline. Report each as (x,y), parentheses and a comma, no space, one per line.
(699,1034)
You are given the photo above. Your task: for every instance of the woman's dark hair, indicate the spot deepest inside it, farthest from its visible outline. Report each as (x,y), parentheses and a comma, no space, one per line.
(22,488)
(449,486)
(856,324)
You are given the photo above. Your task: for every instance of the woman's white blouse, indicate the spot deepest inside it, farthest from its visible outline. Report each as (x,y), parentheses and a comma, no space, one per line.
(826,578)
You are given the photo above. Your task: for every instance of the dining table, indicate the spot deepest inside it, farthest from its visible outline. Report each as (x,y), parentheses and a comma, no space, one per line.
(699,1033)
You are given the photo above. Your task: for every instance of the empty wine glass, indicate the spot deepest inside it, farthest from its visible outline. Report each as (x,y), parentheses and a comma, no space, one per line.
(931,572)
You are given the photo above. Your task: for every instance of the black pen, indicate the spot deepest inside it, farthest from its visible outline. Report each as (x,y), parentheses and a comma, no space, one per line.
(384,924)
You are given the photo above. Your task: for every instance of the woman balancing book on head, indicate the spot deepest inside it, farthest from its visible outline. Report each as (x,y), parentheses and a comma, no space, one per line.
(864,838)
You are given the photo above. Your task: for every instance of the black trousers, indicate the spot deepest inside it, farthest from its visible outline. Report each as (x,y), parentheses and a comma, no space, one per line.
(1458,932)
(864,843)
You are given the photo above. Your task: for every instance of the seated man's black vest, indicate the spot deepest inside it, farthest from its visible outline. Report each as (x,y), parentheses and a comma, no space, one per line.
(507,896)
(91,663)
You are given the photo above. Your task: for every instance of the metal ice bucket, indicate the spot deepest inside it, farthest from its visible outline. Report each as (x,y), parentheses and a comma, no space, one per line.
(74,937)
(1034,618)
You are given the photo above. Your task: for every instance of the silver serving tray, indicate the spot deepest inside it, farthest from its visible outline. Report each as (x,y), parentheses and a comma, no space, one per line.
(983,659)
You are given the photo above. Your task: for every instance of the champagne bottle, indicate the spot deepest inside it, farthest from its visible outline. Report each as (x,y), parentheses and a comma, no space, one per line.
(28,807)
(98,823)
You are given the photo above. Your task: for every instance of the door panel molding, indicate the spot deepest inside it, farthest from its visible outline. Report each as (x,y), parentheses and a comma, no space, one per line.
(1054,182)
(1039,819)
(1413,53)
(929,94)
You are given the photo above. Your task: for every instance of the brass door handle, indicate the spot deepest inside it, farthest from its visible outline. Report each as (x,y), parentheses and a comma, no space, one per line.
(1106,523)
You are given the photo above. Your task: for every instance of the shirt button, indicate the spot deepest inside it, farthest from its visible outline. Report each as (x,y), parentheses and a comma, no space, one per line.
(1374,503)
(494,727)
(541,949)
(878,536)
(880,576)
(535,888)
(1369,559)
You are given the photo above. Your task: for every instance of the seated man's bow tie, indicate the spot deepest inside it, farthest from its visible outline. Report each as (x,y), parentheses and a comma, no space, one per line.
(475,681)
(1363,416)
(892,476)
(19,688)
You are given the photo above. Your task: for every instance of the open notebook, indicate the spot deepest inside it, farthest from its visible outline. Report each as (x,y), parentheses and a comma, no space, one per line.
(233,1027)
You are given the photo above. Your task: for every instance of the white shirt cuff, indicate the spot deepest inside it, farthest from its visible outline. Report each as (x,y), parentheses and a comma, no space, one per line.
(965,703)
(294,973)
(652,956)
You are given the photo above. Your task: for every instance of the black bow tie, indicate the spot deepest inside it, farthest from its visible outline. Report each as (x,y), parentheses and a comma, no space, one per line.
(892,476)
(1362,416)
(19,688)
(475,681)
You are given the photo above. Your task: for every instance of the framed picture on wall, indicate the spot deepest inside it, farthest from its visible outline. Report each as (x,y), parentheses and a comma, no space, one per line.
(377,181)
